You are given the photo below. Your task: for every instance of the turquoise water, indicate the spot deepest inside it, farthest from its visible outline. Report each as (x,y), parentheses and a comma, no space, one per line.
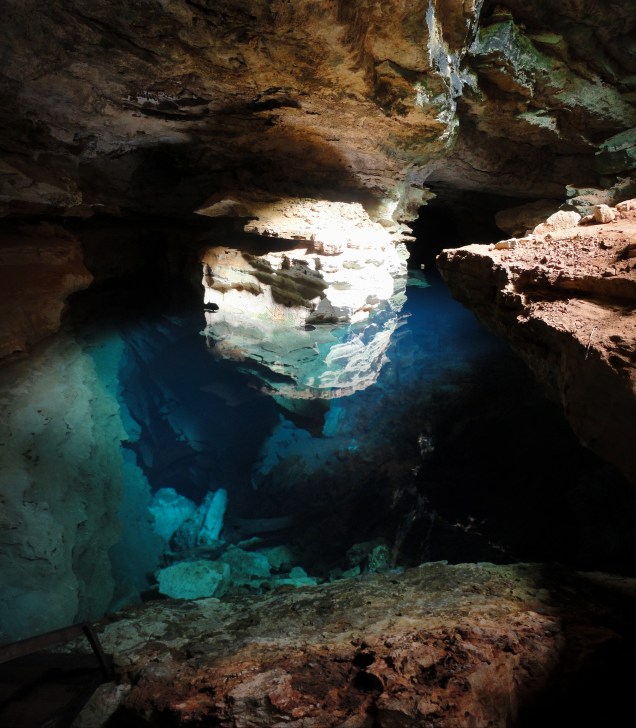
(412,463)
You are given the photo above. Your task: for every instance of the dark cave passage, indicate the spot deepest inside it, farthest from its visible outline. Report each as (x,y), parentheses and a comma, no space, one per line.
(454,218)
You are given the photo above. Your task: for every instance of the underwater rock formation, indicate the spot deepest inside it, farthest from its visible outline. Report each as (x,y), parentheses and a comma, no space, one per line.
(62,483)
(564,298)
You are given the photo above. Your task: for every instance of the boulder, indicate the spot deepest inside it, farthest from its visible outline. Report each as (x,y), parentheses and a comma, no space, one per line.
(560,220)
(603,213)
(204,526)
(194,579)
(170,510)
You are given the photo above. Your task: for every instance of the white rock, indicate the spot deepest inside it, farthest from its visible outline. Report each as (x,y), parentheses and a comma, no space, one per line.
(603,213)
(561,220)
(212,526)
(626,205)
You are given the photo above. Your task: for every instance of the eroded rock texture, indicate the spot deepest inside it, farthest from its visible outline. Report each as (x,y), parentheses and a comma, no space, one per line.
(41,266)
(564,298)
(167,107)
(467,645)
(61,483)
(153,106)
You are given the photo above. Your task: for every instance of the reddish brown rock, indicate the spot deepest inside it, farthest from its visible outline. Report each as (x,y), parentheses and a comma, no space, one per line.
(565,302)
(439,645)
(40,266)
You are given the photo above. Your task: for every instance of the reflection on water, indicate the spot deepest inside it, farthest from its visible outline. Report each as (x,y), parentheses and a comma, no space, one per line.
(245,468)
(314,433)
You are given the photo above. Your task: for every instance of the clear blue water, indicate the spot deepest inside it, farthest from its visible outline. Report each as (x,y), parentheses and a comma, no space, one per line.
(444,456)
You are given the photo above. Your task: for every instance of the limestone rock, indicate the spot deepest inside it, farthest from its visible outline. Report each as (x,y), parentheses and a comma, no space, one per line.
(205,524)
(560,220)
(566,306)
(280,311)
(345,269)
(61,482)
(618,153)
(522,218)
(626,205)
(437,643)
(246,565)
(170,510)
(603,214)
(40,266)
(194,579)
(296,578)
(278,557)
(357,100)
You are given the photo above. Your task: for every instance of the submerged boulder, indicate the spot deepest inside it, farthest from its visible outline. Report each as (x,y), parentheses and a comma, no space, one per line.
(204,526)
(170,510)
(194,579)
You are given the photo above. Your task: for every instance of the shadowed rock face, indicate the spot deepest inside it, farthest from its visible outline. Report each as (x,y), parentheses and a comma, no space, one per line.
(153,106)
(564,298)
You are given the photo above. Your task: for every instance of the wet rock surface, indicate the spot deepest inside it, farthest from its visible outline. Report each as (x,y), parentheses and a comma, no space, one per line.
(61,487)
(438,645)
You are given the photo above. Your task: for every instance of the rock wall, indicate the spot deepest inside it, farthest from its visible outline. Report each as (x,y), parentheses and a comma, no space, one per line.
(40,266)
(154,106)
(61,484)
(564,298)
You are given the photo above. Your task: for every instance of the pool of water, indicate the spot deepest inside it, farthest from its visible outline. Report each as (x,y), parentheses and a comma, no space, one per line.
(449,451)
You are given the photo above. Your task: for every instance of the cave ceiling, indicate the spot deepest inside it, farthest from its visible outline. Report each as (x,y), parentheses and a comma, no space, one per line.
(156,106)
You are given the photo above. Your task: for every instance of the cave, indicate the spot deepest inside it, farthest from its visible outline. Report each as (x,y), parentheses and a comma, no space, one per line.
(317,362)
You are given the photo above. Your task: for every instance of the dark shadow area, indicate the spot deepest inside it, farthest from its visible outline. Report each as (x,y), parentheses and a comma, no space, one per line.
(455,218)
(45,690)
(591,684)
(235,150)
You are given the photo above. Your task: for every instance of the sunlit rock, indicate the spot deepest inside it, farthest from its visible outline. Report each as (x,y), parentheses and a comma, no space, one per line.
(560,220)
(565,302)
(344,269)
(283,314)
(603,213)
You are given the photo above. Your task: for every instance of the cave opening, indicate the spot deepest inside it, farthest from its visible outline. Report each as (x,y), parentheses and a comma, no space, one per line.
(456,217)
